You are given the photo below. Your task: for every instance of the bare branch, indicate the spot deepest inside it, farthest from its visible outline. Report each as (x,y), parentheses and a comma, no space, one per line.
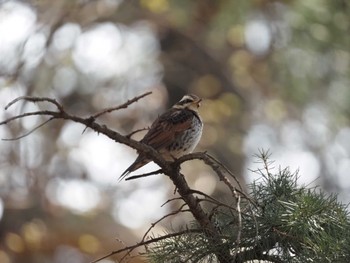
(148,242)
(90,123)
(139,130)
(143,175)
(170,200)
(122,106)
(226,170)
(211,161)
(164,217)
(217,202)
(218,168)
(30,132)
(35,99)
(34,113)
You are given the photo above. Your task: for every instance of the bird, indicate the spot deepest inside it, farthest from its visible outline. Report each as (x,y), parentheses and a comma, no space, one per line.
(173,134)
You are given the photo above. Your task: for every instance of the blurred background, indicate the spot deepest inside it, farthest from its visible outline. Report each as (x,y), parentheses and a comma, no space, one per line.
(274,75)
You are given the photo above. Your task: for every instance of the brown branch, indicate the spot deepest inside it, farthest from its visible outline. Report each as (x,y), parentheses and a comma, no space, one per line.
(221,250)
(212,200)
(148,242)
(164,217)
(122,106)
(210,161)
(218,168)
(35,99)
(90,123)
(34,113)
(139,130)
(30,132)
(143,175)
(170,200)
(171,169)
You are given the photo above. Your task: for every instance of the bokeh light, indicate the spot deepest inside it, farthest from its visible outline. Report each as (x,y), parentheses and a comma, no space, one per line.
(258,36)
(77,195)
(140,207)
(273,75)
(17,23)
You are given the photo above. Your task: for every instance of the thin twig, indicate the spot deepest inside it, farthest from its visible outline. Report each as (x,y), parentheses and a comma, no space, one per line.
(216,202)
(205,195)
(170,200)
(226,170)
(122,106)
(139,130)
(34,113)
(164,217)
(218,168)
(31,131)
(35,99)
(143,175)
(147,242)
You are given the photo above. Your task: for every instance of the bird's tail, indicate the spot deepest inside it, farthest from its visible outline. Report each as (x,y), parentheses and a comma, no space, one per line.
(139,162)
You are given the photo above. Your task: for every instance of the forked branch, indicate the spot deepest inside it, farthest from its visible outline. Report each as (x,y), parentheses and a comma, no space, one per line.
(171,169)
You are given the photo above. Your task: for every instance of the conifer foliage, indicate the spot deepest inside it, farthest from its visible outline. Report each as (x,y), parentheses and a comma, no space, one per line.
(282,222)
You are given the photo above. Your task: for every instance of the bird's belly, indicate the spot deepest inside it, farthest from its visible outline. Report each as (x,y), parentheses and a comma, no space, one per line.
(184,142)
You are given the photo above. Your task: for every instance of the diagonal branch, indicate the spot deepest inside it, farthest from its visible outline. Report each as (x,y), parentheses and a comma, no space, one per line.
(164,217)
(134,132)
(34,113)
(90,123)
(218,168)
(122,106)
(148,242)
(30,132)
(143,175)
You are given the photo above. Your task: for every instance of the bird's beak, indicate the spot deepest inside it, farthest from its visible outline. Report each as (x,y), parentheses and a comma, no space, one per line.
(199,103)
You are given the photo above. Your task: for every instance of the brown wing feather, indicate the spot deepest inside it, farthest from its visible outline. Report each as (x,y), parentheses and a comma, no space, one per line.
(166,127)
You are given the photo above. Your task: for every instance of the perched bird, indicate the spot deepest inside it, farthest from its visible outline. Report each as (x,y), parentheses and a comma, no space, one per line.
(174,133)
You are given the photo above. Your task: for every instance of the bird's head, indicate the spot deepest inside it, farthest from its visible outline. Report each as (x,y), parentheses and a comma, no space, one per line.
(189,101)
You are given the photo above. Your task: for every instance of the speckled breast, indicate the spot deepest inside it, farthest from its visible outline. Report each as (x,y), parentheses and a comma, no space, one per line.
(186,141)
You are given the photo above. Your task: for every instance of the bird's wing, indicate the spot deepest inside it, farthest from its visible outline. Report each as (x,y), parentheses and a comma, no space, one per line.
(166,127)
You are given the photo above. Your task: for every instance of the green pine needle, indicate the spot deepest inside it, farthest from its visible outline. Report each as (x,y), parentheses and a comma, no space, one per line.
(287,223)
